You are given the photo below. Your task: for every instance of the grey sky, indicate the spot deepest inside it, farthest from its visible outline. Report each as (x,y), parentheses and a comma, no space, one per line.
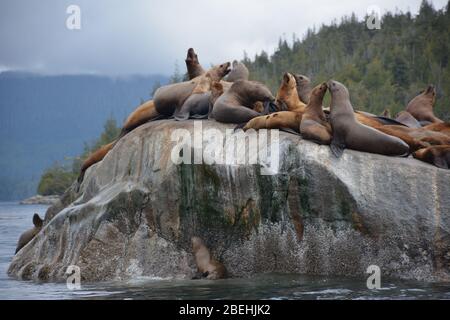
(145,36)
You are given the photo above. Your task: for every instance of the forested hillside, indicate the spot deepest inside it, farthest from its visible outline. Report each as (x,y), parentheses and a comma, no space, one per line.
(383,68)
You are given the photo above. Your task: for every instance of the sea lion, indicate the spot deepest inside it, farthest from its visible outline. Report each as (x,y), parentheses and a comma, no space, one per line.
(169,98)
(239,72)
(28,235)
(429,136)
(194,69)
(442,127)
(349,133)
(208,267)
(406,135)
(287,99)
(234,105)
(93,158)
(287,96)
(304,87)
(314,125)
(407,119)
(436,155)
(421,107)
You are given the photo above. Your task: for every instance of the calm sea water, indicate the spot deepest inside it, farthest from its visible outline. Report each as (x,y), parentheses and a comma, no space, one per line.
(14,219)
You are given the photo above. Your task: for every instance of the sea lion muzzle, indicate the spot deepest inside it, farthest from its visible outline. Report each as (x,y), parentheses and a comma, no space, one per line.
(270,107)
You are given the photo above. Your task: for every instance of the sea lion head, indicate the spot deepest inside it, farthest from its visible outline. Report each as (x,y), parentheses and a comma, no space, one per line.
(255,91)
(319,92)
(303,87)
(37,221)
(28,235)
(436,155)
(218,72)
(239,72)
(192,57)
(340,98)
(430,94)
(337,90)
(197,243)
(287,92)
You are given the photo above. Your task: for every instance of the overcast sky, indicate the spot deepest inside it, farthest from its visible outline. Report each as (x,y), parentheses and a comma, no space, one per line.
(119,37)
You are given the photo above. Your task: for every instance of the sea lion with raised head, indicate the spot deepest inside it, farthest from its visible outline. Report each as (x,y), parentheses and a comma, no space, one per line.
(239,72)
(235,105)
(421,107)
(170,98)
(349,133)
(314,125)
(287,100)
(28,235)
(287,95)
(208,267)
(194,68)
(436,155)
(304,87)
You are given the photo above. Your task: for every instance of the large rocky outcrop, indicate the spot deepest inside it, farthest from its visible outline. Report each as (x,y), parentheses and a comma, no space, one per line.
(319,215)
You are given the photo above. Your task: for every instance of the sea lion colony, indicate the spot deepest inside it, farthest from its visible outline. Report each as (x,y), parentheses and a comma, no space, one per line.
(226,95)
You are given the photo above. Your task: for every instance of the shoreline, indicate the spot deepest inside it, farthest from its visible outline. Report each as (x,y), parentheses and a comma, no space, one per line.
(38,199)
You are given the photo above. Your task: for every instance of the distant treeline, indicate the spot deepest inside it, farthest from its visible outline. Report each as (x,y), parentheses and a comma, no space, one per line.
(382,68)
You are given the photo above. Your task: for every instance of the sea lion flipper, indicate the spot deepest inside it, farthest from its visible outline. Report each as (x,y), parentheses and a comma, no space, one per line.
(440,163)
(239,126)
(337,147)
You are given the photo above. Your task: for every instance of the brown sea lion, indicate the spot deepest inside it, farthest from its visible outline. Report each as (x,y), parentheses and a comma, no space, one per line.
(407,119)
(28,235)
(93,158)
(304,87)
(421,107)
(234,105)
(287,99)
(287,96)
(169,98)
(314,125)
(436,155)
(207,266)
(194,69)
(239,72)
(404,134)
(349,133)
(442,127)
(429,136)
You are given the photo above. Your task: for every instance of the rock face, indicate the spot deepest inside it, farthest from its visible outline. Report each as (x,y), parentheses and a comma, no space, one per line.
(137,211)
(38,199)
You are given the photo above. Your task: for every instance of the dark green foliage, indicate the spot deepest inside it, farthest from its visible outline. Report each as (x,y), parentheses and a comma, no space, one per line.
(382,68)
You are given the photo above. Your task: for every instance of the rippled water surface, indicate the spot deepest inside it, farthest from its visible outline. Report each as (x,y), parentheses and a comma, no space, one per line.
(14,219)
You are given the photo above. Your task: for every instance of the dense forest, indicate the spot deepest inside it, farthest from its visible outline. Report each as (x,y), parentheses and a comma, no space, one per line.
(382,68)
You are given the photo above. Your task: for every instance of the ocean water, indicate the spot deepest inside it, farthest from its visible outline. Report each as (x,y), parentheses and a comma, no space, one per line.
(15,218)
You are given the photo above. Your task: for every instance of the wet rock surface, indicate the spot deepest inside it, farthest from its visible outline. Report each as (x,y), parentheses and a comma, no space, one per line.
(137,210)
